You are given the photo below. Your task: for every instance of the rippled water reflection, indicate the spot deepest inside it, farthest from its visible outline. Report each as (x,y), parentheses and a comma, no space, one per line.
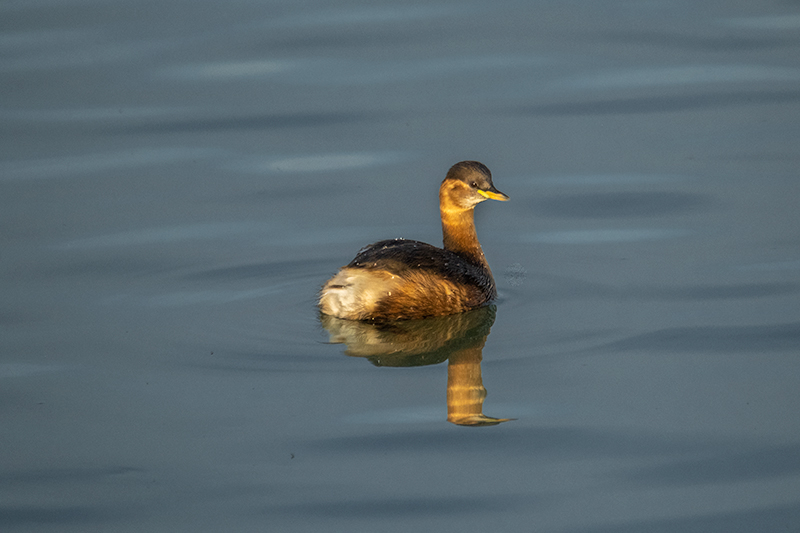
(178,179)
(458,339)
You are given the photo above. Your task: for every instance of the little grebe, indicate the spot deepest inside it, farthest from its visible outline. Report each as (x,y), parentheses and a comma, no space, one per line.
(404,279)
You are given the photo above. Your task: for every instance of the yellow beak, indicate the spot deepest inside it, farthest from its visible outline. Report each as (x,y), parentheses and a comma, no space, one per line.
(493,195)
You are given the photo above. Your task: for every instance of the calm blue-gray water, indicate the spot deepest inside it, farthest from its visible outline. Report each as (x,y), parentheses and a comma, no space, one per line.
(177,179)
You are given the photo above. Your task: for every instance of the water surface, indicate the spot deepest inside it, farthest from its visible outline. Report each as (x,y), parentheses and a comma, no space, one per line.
(178,179)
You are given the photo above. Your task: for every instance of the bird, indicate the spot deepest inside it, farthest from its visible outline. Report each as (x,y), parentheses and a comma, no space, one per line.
(402,279)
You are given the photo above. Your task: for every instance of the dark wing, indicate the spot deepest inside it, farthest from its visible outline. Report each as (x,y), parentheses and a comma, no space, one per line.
(399,255)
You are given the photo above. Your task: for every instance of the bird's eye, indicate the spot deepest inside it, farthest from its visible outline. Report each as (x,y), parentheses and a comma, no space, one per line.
(474,185)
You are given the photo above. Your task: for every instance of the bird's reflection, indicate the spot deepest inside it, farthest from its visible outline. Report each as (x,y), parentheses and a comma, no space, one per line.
(459,339)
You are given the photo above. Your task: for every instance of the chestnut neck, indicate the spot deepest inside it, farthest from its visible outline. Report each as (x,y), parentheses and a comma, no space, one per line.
(458,231)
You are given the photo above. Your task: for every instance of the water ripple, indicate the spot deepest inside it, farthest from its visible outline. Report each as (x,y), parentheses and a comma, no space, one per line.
(215,231)
(330,162)
(344,16)
(15,370)
(602,236)
(338,71)
(594,179)
(103,162)
(770,22)
(683,75)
